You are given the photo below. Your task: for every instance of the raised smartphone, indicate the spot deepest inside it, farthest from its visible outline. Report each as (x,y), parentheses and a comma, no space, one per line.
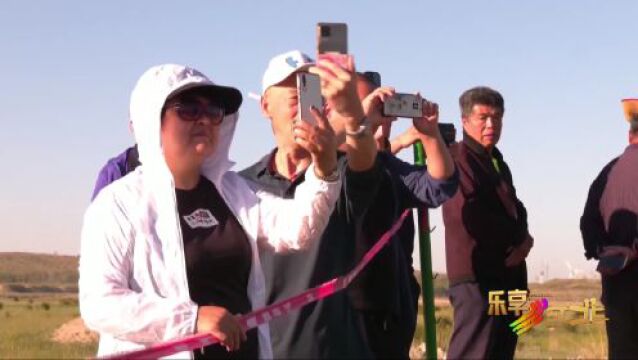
(309,94)
(403,105)
(332,38)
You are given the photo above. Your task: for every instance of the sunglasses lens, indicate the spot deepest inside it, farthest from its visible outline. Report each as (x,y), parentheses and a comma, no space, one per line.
(214,111)
(189,111)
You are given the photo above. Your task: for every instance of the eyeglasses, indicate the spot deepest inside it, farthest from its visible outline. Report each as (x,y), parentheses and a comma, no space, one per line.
(194,110)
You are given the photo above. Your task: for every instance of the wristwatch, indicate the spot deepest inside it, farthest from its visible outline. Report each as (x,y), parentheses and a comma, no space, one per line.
(332,177)
(364,125)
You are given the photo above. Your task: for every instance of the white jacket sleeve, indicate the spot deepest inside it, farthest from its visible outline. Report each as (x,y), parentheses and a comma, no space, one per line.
(291,224)
(108,302)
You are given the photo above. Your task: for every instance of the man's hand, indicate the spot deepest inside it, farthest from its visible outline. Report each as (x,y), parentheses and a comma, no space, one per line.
(518,254)
(373,107)
(428,124)
(320,141)
(222,325)
(339,88)
(630,253)
(423,129)
(406,139)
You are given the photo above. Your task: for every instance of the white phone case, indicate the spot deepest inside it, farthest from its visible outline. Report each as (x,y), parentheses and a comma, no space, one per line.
(309,93)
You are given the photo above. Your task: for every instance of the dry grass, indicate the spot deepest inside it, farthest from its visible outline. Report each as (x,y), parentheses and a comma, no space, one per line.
(27,328)
(554,338)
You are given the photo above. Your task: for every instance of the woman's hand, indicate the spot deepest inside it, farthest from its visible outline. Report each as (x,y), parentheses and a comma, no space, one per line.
(320,141)
(222,325)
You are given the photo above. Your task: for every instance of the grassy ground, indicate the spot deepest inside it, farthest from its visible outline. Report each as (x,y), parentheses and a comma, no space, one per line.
(553,338)
(27,322)
(27,326)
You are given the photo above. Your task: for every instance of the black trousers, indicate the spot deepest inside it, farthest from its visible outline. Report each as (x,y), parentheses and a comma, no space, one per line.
(620,297)
(476,334)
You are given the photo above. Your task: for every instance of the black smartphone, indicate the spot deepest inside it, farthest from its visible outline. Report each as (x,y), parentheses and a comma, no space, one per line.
(373,77)
(611,264)
(448,132)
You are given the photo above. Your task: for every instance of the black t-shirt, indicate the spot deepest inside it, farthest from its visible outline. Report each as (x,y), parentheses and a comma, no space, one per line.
(218,259)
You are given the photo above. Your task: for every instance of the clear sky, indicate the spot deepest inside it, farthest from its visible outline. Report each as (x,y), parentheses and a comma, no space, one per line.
(68,68)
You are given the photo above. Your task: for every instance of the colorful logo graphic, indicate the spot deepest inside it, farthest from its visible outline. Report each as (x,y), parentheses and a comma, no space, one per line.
(532,318)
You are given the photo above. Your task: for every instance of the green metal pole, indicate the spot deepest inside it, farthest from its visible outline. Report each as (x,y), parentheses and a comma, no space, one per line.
(427,286)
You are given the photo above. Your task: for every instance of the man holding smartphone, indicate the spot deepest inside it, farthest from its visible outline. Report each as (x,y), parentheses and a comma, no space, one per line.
(609,228)
(486,235)
(387,292)
(330,328)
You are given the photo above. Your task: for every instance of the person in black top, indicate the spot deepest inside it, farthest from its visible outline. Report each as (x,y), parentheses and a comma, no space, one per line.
(387,292)
(218,260)
(609,227)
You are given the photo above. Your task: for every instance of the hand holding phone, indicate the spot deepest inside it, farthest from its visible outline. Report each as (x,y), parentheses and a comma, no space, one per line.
(373,106)
(428,122)
(339,88)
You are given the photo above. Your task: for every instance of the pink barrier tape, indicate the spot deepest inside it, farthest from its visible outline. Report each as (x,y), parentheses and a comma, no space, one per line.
(265,314)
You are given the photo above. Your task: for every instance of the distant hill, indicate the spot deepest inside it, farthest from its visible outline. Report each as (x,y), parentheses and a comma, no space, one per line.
(38,269)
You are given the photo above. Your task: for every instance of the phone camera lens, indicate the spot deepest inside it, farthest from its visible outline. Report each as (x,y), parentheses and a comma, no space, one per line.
(325,31)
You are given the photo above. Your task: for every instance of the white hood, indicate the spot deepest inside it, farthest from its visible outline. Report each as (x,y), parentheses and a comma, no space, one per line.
(151,91)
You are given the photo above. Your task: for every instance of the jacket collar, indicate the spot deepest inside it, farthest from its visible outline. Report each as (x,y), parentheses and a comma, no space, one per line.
(504,191)
(477,148)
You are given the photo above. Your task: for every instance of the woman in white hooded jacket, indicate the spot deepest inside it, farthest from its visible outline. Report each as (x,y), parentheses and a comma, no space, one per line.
(143,259)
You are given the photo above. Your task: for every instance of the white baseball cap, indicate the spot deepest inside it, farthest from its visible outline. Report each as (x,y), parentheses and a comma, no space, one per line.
(284,65)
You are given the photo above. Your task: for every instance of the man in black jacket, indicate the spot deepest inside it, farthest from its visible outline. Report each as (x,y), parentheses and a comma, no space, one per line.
(609,229)
(486,236)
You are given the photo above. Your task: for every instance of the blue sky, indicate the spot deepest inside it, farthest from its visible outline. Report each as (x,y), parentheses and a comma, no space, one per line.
(68,68)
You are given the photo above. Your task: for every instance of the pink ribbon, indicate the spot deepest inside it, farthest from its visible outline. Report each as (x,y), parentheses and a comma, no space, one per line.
(265,314)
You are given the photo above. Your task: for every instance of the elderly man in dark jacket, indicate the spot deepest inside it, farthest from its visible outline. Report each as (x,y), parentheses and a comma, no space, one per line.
(486,234)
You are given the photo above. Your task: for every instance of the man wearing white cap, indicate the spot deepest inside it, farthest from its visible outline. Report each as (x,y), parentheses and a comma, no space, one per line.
(330,328)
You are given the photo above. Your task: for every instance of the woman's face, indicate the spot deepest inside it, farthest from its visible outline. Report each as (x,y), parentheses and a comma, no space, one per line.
(190,129)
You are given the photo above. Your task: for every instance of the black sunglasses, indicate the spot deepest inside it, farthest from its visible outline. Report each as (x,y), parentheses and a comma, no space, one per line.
(194,110)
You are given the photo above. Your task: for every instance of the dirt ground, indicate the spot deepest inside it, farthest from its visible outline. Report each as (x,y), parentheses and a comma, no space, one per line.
(74,331)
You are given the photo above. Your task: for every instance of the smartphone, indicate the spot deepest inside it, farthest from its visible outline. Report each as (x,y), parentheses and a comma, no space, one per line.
(611,264)
(403,105)
(309,94)
(373,77)
(448,132)
(332,38)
